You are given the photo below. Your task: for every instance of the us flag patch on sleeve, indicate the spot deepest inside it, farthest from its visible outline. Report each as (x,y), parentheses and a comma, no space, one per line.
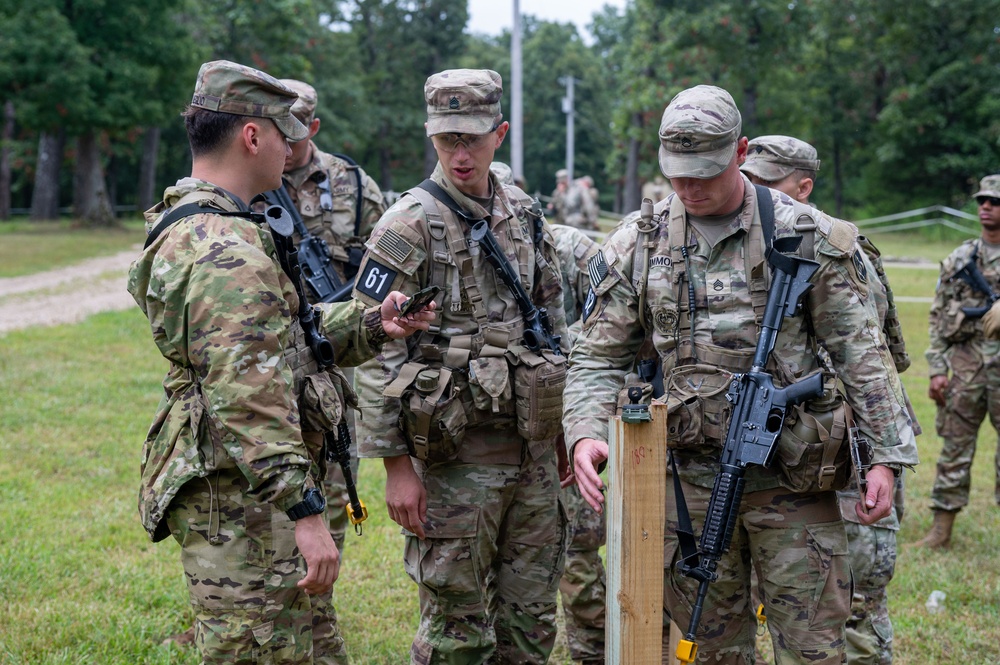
(597,268)
(394,245)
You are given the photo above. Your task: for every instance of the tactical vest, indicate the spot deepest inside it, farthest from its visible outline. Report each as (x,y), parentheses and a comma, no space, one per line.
(456,383)
(697,373)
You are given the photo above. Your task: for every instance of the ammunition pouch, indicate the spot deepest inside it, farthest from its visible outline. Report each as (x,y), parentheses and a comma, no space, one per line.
(956,327)
(813,452)
(539,380)
(489,385)
(698,412)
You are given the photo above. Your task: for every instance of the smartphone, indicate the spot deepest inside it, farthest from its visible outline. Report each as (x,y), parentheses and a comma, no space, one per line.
(420,300)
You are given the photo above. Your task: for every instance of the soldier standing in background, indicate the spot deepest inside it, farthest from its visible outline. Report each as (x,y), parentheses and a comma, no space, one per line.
(462,417)
(696,283)
(958,346)
(583,583)
(232,461)
(789,165)
(555,210)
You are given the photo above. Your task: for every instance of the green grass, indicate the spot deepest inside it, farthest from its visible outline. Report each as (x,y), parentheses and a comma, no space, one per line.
(81,583)
(27,247)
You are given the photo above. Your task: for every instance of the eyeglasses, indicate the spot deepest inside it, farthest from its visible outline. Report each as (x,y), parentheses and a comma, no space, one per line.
(994,201)
(448,142)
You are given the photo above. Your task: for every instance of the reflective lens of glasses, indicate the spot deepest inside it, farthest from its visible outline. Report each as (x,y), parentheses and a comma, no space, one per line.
(993,201)
(448,142)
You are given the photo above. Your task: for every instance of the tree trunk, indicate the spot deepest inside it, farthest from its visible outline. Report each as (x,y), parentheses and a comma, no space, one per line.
(90,195)
(385,163)
(45,196)
(5,176)
(147,169)
(632,194)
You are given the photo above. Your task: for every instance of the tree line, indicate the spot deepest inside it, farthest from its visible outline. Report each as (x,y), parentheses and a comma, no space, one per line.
(898,97)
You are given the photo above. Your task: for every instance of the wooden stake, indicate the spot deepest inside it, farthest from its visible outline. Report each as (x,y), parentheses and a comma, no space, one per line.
(637,486)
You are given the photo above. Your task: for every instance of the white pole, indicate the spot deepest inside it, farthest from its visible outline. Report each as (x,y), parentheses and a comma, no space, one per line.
(568,110)
(516,110)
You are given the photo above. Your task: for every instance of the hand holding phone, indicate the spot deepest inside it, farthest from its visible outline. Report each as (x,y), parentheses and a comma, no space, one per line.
(420,300)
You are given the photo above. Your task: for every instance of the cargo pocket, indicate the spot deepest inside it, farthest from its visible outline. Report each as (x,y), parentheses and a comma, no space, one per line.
(446,563)
(813,453)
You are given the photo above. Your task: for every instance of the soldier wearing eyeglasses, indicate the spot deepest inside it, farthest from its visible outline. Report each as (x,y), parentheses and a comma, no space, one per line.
(965,378)
(477,497)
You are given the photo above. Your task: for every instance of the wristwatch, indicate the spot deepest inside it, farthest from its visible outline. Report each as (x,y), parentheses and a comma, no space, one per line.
(313,503)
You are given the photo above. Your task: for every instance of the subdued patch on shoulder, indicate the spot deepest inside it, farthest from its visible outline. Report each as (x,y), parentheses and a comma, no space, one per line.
(842,235)
(597,267)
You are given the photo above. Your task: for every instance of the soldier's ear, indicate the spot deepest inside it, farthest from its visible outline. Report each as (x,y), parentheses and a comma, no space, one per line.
(805,188)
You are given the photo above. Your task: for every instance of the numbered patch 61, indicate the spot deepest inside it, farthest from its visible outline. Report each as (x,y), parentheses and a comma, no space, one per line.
(375,280)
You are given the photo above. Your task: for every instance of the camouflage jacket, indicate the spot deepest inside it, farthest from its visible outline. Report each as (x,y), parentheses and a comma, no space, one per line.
(222,312)
(844,317)
(401,256)
(948,325)
(333,218)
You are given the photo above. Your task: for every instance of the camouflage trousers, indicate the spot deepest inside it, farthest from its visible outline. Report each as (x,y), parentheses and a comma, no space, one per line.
(872,551)
(583,582)
(490,565)
(241,565)
(798,546)
(973,392)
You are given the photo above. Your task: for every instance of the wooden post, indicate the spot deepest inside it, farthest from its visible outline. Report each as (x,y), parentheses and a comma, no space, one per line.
(637,488)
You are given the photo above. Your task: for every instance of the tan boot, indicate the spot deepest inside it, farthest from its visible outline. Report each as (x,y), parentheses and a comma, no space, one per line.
(181,639)
(940,534)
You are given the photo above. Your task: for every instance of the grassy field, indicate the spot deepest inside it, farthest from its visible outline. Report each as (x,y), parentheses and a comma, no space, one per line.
(27,247)
(81,584)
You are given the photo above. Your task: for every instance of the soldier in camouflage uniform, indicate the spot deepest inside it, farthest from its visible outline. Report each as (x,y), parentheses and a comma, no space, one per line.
(958,346)
(340,204)
(583,582)
(789,165)
(471,468)
(232,461)
(709,235)
(555,211)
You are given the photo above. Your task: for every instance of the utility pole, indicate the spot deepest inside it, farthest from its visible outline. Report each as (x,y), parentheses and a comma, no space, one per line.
(516,109)
(567,108)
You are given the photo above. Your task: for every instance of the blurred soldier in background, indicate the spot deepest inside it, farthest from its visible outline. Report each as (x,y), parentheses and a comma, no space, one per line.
(555,210)
(967,346)
(789,165)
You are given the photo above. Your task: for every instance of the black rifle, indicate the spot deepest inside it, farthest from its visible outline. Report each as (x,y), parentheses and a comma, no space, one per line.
(338,447)
(759,410)
(314,255)
(970,275)
(537,327)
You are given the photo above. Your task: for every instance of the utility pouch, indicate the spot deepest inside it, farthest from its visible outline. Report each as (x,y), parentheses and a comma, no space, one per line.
(813,451)
(432,416)
(489,383)
(538,392)
(956,327)
(696,405)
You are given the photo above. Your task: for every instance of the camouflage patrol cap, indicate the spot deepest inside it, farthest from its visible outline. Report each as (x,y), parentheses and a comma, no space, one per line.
(227,87)
(989,186)
(463,101)
(775,157)
(304,107)
(698,133)
(503,172)
(562,174)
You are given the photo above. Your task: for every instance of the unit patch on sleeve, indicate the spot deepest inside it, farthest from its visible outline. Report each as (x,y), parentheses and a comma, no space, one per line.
(859,266)
(376,280)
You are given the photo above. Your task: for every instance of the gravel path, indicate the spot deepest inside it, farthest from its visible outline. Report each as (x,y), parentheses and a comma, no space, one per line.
(66,295)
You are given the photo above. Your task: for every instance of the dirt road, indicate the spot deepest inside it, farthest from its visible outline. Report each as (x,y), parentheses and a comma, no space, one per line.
(66,295)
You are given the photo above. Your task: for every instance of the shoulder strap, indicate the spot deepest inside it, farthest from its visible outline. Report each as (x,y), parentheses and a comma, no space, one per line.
(357,178)
(178,213)
(445,198)
(765,207)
